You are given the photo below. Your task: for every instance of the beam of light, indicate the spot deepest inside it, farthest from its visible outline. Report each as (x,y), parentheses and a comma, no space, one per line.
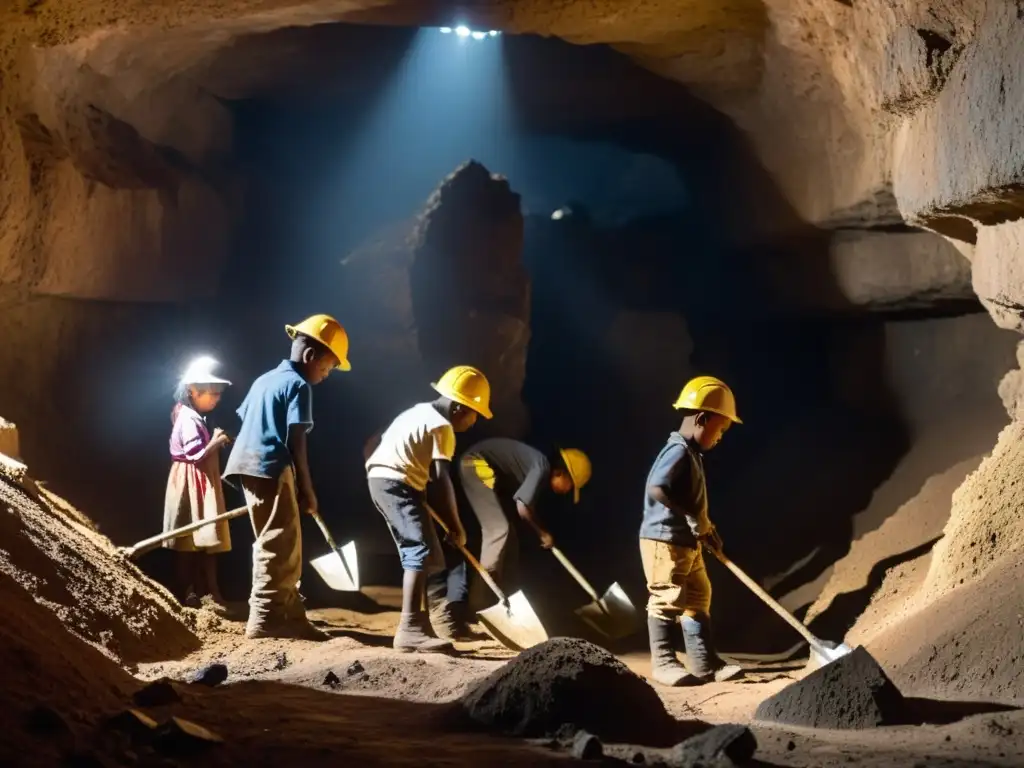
(479,35)
(446,30)
(462,31)
(493,33)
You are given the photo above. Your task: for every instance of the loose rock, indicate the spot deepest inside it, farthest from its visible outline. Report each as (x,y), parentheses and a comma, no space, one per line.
(852,692)
(183,738)
(331,680)
(721,746)
(157,694)
(211,675)
(586,746)
(568,681)
(355,668)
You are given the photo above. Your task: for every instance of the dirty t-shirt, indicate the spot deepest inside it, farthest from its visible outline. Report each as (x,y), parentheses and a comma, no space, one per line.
(277,401)
(678,469)
(411,443)
(513,470)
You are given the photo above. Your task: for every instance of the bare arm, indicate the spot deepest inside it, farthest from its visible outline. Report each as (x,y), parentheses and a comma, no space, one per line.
(448,508)
(218,441)
(297,442)
(531,519)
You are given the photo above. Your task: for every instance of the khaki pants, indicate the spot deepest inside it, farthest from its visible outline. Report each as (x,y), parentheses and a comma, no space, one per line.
(277,551)
(676,579)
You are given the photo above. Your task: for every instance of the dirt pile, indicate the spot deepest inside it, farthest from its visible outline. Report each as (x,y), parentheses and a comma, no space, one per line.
(966,644)
(851,693)
(985,523)
(567,683)
(55,687)
(78,575)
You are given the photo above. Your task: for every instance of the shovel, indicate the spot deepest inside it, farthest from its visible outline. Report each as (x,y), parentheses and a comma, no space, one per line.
(155,541)
(339,568)
(612,615)
(822,651)
(512,622)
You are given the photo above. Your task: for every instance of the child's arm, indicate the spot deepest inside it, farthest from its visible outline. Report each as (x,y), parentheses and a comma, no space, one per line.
(447,507)
(300,421)
(526,502)
(303,481)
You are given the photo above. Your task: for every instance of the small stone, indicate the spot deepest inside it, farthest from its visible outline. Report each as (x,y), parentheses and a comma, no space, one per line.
(181,738)
(331,680)
(586,746)
(282,661)
(735,742)
(211,675)
(638,758)
(790,746)
(159,693)
(135,724)
(355,668)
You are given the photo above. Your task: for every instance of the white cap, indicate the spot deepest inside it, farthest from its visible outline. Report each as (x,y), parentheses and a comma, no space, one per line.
(200,371)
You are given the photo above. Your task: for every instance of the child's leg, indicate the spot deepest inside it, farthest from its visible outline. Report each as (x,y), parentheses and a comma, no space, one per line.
(413,531)
(184,575)
(698,638)
(663,563)
(211,584)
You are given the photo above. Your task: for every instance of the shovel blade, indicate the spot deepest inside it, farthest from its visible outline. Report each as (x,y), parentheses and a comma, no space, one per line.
(826,653)
(612,616)
(339,569)
(515,626)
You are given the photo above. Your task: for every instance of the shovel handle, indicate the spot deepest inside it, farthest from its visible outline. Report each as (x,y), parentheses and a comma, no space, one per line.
(770,601)
(325,531)
(471,560)
(147,544)
(576,574)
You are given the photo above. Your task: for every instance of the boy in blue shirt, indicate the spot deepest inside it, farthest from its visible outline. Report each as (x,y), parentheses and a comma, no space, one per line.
(269,458)
(675,528)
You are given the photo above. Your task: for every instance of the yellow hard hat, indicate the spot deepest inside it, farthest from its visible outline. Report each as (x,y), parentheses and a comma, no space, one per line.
(466,385)
(578,464)
(706,393)
(328,332)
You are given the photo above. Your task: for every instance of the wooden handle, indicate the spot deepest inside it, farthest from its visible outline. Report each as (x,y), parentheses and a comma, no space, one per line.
(323,529)
(576,574)
(770,601)
(147,544)
(470,559)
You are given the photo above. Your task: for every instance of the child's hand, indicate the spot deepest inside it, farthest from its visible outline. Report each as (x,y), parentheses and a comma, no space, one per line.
(221,437)
(457,534)
(547,541)
(712,539)
(308,502)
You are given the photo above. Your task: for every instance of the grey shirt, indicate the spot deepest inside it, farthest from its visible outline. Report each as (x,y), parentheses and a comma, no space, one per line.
(679,469)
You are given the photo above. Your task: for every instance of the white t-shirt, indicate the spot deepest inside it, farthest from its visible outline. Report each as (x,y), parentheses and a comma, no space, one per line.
(416,438)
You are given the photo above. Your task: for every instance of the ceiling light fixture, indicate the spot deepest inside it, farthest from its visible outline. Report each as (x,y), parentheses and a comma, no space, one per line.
(446,30)
(462,31)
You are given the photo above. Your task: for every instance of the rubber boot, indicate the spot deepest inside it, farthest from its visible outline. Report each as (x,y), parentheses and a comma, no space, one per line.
(703,662)
(416,635)
(665,667)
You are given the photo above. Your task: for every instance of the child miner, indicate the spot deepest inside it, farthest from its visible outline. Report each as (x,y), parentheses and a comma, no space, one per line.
(194,490)
(269,458)
(415,449)
(675,528)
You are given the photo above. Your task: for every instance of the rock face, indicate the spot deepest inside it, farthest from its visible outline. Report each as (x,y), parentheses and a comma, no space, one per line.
(447,287)
(567,682)
(470,289)
(851,693)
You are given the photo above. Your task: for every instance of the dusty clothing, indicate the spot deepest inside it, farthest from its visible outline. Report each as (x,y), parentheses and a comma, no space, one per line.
(411,443)
(277,550)
(276,401)
(676,579)
(679,469)
(511,469)
(194,490)
(405,511)
(499,543)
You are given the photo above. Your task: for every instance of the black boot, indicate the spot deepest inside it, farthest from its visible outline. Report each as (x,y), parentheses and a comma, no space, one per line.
(703,662)
(416,635)
(665,666)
